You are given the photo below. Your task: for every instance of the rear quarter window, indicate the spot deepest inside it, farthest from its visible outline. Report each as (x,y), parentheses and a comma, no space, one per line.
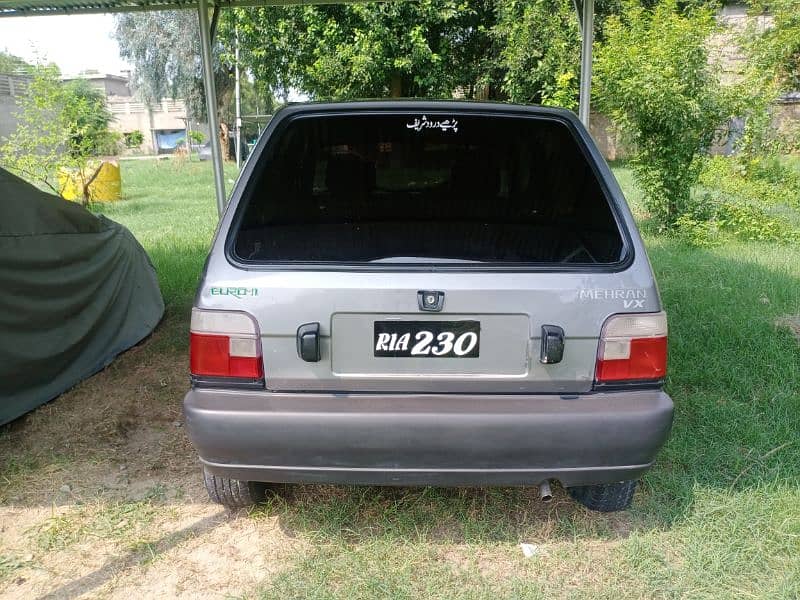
(431,189)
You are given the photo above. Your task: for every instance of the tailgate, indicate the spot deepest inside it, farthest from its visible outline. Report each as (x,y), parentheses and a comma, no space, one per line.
(510,309)
(346,214)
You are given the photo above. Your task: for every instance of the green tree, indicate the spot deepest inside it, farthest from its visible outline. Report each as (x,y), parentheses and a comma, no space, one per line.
(526,51)
(59,129)
(654,79)
(540,48)
(268,39)
(540,54)
(88,117)
(428,48)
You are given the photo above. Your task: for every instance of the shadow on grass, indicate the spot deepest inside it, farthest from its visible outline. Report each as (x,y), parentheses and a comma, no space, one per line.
(132,204)
(112,568)
(179,270)
(734,374)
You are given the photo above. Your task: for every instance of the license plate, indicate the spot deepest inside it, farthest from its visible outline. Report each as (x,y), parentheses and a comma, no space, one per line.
(427,339)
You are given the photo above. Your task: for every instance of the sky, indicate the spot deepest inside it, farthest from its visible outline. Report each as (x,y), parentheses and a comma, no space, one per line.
(75,43)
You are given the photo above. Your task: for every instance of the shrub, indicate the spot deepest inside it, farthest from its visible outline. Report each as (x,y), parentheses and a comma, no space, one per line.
(134,139)
(751,199)
(765,181)
(88,117)
(696,232)
(108,144)
(775,50)
(655,80)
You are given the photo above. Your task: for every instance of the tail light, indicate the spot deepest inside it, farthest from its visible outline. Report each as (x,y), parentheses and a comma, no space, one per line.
(224,344)
(632,348)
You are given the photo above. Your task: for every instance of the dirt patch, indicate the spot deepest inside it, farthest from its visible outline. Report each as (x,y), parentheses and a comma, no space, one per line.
(225,556)
(120,426)
(790,322)
(185,551)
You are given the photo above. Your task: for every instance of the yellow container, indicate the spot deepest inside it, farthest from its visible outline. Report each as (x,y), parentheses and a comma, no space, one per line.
(106,187)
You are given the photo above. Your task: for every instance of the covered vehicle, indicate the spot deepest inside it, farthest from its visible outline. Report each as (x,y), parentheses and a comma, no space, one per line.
(428,293)
(76,289)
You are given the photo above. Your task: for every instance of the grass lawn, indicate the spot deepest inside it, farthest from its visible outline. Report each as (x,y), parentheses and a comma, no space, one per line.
(100,494)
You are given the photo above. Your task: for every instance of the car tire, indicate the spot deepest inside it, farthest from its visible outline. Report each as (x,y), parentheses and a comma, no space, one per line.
(233,493)
(606,497)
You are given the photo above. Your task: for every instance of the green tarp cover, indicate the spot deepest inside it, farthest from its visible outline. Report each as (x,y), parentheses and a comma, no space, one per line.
(76,289)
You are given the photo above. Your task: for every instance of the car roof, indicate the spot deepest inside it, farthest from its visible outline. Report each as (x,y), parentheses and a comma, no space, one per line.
(420,105)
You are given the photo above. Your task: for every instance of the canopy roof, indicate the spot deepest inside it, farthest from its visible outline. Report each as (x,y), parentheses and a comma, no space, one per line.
(29,8)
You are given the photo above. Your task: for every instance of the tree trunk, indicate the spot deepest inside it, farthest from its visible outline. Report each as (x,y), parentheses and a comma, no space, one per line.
(86,195)
(224,140)
(396,86)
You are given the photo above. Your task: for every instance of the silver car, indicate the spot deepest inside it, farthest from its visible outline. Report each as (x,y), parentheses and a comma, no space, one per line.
(427,293)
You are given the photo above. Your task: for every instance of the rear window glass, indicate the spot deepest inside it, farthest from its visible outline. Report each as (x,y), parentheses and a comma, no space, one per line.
(428,188)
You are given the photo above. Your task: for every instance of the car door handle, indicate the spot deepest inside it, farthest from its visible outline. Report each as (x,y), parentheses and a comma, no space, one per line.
(308,342)
(552,344)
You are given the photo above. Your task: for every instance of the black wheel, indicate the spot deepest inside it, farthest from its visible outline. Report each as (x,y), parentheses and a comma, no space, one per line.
(605,497)
(232,493)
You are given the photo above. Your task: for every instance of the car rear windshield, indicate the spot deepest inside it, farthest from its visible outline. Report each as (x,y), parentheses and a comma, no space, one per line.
(432,188)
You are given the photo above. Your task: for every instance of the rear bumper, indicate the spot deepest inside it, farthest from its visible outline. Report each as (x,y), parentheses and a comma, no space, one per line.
(427,439)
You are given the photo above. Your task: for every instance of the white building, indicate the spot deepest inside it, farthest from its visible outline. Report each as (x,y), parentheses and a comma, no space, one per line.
(162,125)
(12,87)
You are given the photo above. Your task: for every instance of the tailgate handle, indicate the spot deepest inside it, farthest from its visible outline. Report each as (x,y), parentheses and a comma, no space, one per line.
(552,344)
(308,342)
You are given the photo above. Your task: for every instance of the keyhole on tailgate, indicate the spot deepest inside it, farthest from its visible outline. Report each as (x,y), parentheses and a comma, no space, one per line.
(430,301)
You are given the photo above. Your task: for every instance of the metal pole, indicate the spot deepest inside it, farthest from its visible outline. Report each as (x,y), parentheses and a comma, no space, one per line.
(578,15)
(238,96)
(211,104)
(586,61)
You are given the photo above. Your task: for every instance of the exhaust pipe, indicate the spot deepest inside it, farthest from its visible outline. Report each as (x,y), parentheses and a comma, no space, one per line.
(545,494)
